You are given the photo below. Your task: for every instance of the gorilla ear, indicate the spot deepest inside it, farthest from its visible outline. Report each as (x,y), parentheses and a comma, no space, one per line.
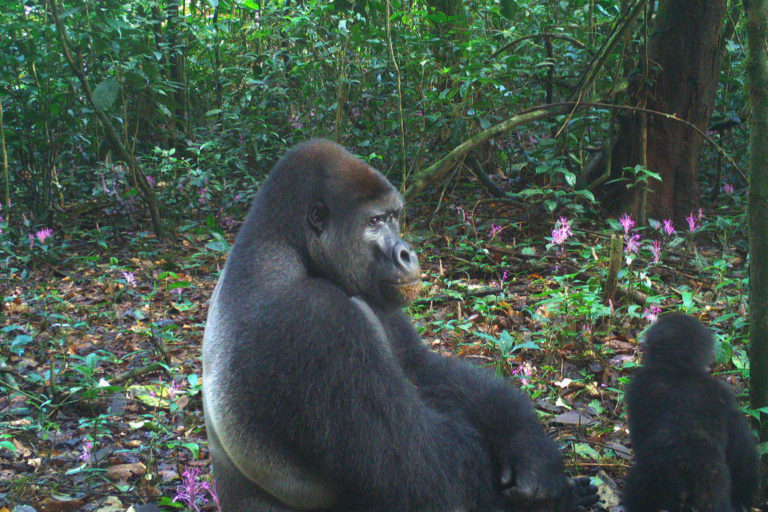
(318,216)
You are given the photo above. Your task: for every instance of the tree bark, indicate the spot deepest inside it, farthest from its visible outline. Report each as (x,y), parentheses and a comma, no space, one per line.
(757,209)
(684,62)
(6,174)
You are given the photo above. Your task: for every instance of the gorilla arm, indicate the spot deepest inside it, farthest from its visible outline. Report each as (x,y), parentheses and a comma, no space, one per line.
(318,380)
(529,464)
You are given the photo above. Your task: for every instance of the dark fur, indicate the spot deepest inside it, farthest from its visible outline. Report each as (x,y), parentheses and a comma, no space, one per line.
(319,393)
(693,449)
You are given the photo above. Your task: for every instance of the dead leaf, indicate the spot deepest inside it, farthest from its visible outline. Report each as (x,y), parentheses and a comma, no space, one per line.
(123,472)
(111,504)
(574,418)
(61,503)
(21,450)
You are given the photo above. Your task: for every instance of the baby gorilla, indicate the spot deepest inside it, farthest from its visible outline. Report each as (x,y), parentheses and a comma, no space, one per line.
(693,449)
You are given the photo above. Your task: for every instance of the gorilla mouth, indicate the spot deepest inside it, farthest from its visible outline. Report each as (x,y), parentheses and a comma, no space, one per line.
(406,291)
(398,284)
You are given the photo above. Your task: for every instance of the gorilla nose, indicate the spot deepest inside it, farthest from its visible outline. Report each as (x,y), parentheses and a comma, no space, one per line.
(405,259)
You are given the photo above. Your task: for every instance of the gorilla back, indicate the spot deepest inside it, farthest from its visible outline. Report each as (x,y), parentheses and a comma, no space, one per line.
(319,393)
(693,449)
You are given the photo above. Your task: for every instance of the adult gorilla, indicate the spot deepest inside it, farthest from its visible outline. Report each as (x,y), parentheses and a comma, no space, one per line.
(319,393)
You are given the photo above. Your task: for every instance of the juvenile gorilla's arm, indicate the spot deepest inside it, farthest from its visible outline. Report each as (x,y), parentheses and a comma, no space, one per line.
(528,464)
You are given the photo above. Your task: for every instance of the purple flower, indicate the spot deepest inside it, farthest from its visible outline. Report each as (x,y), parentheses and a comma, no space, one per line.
(43,234)
(191,492)
(522,371)
(627,223)
(151,181)
(495,230)
(691,222)
(728,188)
(669,227)
(561,231)
(633,244)
(502,279)
(211,488)
(86,455)
(465,217)
(656,250)
(174,388)
(652,313)
(129,278)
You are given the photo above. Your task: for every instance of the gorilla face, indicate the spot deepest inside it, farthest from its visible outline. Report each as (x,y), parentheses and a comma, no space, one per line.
(358,247)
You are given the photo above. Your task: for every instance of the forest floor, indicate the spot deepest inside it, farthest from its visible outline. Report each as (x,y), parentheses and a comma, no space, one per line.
(101,341)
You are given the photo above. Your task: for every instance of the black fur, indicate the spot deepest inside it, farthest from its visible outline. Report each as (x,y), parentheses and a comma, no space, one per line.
(693,449)
(319,393)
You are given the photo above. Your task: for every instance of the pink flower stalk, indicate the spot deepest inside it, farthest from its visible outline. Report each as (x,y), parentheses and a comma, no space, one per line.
(191,491)
(465,218)
(691,219)
(728,188)
(211,488)
(627,223)
(129,278)
(522,371)
(633,244)
(669,227)
(495,230)
(652,313)
(175,387)
(502,279)
(561,231)
(43,234)
(656,250)
(86,455)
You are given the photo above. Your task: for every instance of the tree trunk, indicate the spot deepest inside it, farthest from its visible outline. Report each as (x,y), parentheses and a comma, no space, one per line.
(4,153)
(757,208)
(684,58)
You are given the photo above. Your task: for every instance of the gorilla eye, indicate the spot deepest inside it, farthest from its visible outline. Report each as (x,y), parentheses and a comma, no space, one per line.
(376,220)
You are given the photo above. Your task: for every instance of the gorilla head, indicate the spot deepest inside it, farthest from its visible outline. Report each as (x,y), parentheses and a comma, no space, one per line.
(350,219)
(678,340)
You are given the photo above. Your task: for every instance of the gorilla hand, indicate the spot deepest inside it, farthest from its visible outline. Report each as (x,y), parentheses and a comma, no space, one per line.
(532,470)
(581,495)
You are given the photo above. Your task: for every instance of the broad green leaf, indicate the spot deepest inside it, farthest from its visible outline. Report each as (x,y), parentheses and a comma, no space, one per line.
(105,93)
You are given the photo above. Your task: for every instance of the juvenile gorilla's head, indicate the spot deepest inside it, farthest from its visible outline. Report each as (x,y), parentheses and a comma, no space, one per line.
(678,340)
(352,228)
